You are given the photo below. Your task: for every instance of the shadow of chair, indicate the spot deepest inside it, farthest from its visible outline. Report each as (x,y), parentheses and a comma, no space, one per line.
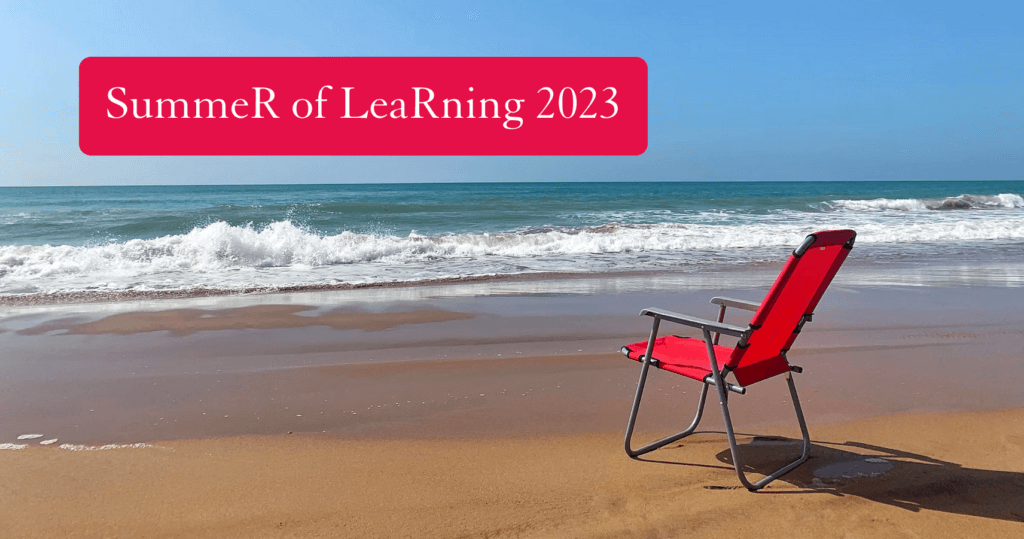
(890,476)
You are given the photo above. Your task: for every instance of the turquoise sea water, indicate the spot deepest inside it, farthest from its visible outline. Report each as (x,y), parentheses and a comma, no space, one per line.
(227,237)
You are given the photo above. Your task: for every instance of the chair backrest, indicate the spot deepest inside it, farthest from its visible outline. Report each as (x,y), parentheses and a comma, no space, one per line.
(794,295)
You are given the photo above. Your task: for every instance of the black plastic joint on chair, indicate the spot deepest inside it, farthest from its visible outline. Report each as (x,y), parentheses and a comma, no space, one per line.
(807,243)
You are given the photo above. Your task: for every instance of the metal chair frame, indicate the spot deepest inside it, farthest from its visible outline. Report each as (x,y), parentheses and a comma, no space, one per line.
(717,377)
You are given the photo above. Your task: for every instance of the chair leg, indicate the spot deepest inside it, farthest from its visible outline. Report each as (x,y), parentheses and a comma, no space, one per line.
(723,395)
(634,453)
(645,367)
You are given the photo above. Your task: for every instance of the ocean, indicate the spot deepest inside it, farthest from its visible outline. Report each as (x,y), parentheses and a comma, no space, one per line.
(233,238)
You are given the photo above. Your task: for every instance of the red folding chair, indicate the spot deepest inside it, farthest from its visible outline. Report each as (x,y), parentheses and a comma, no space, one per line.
(761,350)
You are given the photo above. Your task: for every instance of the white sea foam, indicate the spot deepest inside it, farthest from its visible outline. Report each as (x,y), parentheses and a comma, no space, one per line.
(282,254)
(1010,200)
(107,447)
(12,447)
(881,204)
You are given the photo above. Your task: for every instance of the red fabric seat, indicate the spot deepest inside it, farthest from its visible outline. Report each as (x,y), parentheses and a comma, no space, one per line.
(689,357)
(681,355)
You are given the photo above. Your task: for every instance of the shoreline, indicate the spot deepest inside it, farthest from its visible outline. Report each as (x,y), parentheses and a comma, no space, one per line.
(856,273)
(57,298)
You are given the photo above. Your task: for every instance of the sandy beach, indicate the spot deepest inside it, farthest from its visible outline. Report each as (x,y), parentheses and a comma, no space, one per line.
(952,476)
(436,412)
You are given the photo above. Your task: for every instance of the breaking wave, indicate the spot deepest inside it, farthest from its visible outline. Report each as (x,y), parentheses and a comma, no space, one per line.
(962,202)
(220,255)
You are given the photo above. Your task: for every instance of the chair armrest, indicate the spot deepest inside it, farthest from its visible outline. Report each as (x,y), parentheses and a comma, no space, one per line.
(737,303)
(694,322)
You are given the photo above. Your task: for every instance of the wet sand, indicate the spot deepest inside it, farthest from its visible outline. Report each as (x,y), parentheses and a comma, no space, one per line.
(185,321)
(500,417)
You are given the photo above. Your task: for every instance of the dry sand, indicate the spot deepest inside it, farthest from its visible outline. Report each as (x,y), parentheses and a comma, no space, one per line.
(953,475)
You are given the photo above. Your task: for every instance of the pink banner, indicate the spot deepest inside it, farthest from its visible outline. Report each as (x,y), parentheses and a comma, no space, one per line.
(363,106)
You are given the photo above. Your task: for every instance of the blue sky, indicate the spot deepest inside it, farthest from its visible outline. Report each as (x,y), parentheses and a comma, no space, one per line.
(738,90)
